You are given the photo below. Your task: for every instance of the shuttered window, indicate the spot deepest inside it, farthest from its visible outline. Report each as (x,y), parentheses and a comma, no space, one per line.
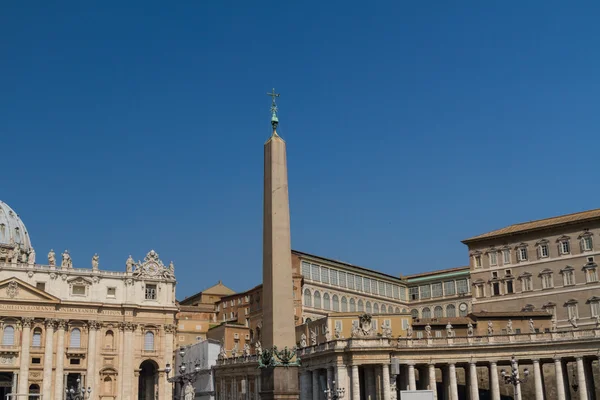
(149,341)
(9,336)
(75,339)
(37,338)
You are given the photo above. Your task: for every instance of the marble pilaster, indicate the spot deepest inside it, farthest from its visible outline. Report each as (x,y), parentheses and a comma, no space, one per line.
(93,327)
(169,331)
(60,360)
(128,376)
(24,358)
(121,356)
(48,353)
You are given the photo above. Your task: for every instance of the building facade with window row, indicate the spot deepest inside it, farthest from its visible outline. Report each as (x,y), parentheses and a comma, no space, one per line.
(112,331)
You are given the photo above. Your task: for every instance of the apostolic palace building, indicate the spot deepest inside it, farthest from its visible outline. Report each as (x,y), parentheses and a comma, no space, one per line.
(527,305)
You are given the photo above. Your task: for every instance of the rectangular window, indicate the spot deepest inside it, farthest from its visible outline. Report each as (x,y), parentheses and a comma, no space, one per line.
(420,335)
(438,334)
(40,285)
(342,278)
(494,274)
(595,308)
(414,293)
(402,293)
(396,291)
(591,275)
(338,325)
(388,289)
(425,291)
(350,280)
(544,251)
(496,289)
(449,288)
(587,243)
(436,289)
(526,284)
(509,287)
(547,281)
(359,283)
(150,292)
(493,258)
(523,254)
(366,285)
(334,277)
(373,286)
(75,361)
(315,272)
(374,324)
(477,261)
(381,288)
(568,278)
(565,248)
(404,324)
(306,270)
(324,275)
(479,291)
(506,256)
(111,292)
(572,311)
(462,287)
(79,290)
(36,360)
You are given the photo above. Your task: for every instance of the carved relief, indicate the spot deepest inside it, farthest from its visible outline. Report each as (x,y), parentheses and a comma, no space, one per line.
(27,321)
(170,328)
(12,290)
(61,323)
(7,360)
(153,268)
(49,322)
(94,325)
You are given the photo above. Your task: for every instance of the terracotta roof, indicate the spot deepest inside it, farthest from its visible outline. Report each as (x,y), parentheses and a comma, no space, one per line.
(509,314)
(538,224)
(218,289)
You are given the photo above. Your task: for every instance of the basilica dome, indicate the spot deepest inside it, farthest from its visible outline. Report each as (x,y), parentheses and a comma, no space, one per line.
(12,229)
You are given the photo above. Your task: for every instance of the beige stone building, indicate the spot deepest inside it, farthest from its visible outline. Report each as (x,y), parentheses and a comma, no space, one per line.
(61,322)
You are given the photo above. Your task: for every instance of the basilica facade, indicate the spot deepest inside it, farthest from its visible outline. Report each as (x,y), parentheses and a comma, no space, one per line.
(61,327)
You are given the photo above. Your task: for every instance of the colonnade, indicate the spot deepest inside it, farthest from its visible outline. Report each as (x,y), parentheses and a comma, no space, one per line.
(375,382)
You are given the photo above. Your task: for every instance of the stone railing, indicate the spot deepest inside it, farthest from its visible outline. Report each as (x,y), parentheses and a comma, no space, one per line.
(58,269)
(238,360)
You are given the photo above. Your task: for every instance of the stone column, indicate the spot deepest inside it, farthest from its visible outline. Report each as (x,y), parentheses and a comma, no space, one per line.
(304,390)
(432,380)
(48,352)
(537,376)
(93,327)
(330,378)
(494,384)
(518,385)
(412,380)
(60,360)
(453,382)
(473,384)
(169,329)
(560,383)
(377,385)
(24,357)
(122,356)
(15,382)
(583,395)
(355,383)
(315,385)
(385,382)
(128,352)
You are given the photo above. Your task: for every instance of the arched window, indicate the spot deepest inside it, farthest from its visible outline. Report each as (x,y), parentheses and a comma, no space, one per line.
(368,308)
(438,312)
(397,310)
(3,232)
(344,304)
(375,308)
(383,309)
(463,310)
(414,313)
(75,338)
(361,306)
(317,299)
(450,311)
(36,340)
(307,298)
(9,336)
(149,341)
(109,340)
(326,301)
(336,302)
(34,389)
(352,305)
(426,312)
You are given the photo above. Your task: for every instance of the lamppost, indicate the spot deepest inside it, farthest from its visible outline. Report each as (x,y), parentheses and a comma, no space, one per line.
(512,377)
(335,393)
(79,393)
(184,378)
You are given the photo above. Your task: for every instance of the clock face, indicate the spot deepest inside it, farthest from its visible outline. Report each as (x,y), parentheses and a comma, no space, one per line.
(151,269)
(462,307)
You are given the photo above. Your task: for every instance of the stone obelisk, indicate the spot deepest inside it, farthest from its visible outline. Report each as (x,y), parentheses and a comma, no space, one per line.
(279,382)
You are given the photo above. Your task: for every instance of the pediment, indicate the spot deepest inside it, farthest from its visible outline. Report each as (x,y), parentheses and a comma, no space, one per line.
(13,289)
(78,280)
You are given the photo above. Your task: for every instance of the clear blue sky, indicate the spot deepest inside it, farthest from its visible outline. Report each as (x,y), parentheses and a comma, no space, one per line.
(409,127)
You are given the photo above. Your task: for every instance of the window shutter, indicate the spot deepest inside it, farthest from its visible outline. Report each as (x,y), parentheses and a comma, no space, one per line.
(9,336)
(37,339)
(75,338)
(149,341)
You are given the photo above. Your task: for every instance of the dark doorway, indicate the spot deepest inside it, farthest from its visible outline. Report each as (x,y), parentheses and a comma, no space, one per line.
(148,381)
(34,390)
(6,381)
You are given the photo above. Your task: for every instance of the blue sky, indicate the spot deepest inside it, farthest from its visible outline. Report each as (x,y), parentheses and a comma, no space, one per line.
(409,127)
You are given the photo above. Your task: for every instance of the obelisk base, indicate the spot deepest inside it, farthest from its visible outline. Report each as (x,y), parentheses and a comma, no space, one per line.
(279,383)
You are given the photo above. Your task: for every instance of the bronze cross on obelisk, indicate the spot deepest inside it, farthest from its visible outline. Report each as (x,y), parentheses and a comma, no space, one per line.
(274,119)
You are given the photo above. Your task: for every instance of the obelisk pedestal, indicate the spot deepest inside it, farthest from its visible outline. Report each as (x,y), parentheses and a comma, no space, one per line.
(277,382)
